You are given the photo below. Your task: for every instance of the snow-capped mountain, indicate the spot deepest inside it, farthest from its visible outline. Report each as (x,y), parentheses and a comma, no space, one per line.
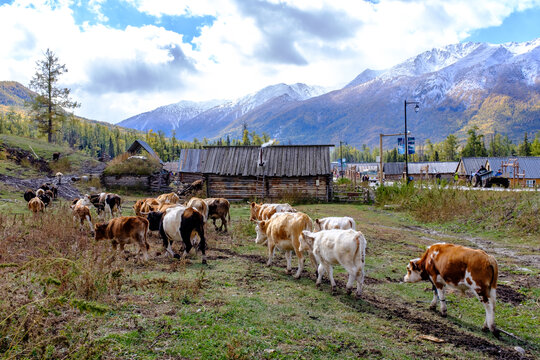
(494,87)
(206,119)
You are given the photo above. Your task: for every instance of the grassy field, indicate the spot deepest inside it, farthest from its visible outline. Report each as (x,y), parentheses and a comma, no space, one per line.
(65,296)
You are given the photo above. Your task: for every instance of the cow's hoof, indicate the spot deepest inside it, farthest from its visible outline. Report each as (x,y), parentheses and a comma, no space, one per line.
(496,333)
(444,314)
(176,256)
(358,295)
(433,307)
(349,291)
(204,262)
(485,329)
(297,276)
(334,291)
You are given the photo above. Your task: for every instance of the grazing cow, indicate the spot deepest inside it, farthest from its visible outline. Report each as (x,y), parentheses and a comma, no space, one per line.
(283,230)
(344,247)
(179,223)
(125,230)
(35,205)
(59,176)
(29,195)
(45,198)
(54,191)
(218,208)
(82,213)
(200,205)
(170,198)
(108,203)
(144,206)
(164,207)
(40,192)
(462,268)
(45,186)
(265,211)
(84,201)
(329,223)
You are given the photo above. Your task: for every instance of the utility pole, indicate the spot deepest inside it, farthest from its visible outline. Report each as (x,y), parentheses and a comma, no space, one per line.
(416,108)
(341,156)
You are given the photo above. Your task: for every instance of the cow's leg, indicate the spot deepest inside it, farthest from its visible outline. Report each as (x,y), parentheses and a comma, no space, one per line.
(224,223)
(442,298)
(433,304)
(350,281)
(300,257)
(90,225)
(271,248)
(214,222)
(330,270)
(489,306)
(321,272)
(288,257)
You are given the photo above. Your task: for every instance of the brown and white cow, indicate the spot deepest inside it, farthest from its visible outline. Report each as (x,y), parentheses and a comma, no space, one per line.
(200,205)
(265,211)
(125,230)
(344,247)
(170,198)
(218,208)
(80,214)
(329,223)
(144,206)
(179,223)
(108,203)
(459,267)
(35,205)
(283,231)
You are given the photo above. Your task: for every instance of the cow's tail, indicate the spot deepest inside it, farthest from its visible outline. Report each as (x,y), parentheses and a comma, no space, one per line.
(353,223)
(495,272)
(360,248)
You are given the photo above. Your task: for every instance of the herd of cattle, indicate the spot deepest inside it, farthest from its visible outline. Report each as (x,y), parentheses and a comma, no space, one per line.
(328,241)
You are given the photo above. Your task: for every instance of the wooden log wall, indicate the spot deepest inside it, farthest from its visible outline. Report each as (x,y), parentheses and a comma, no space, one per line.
(157,182)
(237,188)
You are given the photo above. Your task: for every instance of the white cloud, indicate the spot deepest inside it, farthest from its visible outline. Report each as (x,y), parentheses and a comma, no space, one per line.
(251,44)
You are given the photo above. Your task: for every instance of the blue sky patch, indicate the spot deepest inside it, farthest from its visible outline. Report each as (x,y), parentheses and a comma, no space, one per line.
(120,14)
(518,27)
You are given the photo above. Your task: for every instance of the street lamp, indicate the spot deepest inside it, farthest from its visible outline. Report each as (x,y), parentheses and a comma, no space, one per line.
(341,156)
(416,108)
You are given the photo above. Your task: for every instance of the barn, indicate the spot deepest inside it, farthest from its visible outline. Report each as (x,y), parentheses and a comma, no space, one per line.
(270,173)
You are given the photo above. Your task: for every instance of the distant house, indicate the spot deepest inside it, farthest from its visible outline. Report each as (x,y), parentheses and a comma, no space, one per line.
(139,145)
(430,170)
(528,173)
(270,173)
(394,170)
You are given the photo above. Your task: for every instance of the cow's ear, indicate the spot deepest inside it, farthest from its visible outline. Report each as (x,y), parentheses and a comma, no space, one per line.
(253,204)
(414,265)
(318,221)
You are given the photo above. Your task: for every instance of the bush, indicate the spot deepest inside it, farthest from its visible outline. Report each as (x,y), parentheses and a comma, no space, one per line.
(124,165)
(63,165)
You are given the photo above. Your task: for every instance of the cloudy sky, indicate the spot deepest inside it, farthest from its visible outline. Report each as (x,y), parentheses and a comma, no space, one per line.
(129,56)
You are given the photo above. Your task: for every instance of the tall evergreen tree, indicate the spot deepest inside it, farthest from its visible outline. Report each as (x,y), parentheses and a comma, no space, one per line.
(524,149)
(475,144)
(50,104)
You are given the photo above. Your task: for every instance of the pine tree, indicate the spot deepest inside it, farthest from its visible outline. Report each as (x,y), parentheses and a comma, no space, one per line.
(524,149)
(49,105)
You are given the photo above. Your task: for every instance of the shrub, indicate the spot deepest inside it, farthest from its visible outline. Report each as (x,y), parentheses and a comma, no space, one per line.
(63,165)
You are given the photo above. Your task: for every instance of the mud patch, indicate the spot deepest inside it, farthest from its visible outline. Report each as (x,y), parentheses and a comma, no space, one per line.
(508,295)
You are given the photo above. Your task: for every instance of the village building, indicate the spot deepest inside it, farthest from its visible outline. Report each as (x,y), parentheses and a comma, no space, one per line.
(270,173)
(520,170)
(188,167)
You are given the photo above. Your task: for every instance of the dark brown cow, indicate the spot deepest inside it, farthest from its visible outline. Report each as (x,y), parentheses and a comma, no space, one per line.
(460,267)
(125,230)
(218,208)
(29,195)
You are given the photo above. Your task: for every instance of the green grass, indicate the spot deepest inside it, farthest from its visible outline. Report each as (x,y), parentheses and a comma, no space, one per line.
(238,308)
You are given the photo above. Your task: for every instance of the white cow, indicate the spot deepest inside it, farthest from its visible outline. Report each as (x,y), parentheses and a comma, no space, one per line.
(344,247)
(329,223)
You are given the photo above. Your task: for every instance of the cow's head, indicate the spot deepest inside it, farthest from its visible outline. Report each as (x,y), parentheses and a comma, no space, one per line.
(260,229)
(306,241)
(100,231)
(154,219)
(317,226)
(254,211)
(414,273)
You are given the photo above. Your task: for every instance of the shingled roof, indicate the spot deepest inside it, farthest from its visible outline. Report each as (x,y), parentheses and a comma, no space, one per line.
(189,161)
(281,160)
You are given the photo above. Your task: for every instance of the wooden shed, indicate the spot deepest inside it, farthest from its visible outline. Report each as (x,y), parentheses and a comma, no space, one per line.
(271,173)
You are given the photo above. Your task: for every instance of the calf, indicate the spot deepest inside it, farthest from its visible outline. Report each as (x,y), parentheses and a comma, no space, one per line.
(329,223)
(108,203)
(170,198)
(82,213)
(29,195)
(35,205)
(179,223)
(462,268)
(125,230)
(265,211)
(344,247)
(218,208)
(283,231)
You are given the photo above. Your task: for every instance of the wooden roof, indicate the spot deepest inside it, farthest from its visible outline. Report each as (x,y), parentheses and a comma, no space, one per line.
(189,161)
(281,160)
